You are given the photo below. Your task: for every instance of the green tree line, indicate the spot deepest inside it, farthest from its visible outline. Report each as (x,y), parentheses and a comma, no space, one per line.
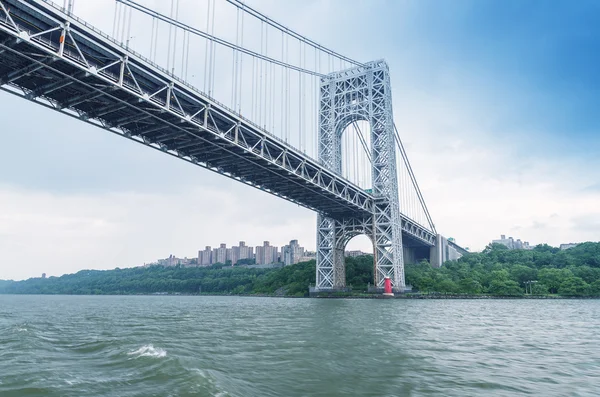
(499,271)
(217,279)
(495,271)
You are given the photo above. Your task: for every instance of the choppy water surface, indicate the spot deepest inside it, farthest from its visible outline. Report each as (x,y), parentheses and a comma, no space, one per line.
(231,346)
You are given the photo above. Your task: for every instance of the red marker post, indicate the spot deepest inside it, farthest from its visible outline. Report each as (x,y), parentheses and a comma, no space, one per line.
(387,287)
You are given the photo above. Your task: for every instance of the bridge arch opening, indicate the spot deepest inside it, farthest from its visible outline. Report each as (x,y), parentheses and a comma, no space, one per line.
(359,263)
(355,153)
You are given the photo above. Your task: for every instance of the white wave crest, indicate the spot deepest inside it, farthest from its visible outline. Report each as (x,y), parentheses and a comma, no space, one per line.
(148,351)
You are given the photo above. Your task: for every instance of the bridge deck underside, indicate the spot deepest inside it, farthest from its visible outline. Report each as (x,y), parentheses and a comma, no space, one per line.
(99,82)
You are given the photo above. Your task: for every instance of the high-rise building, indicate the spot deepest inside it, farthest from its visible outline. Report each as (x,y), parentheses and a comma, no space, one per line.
(244,252)
(266,254)
(291,253)
(204,257)
(219,255)
(240,252)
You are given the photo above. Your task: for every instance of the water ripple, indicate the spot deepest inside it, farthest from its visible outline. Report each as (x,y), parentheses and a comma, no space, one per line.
(229,346)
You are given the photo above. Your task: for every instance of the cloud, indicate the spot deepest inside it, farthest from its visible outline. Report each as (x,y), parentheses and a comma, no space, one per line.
(58,233)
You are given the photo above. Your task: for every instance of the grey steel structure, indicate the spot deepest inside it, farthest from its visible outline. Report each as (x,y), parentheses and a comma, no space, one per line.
(360,93)
(59,61)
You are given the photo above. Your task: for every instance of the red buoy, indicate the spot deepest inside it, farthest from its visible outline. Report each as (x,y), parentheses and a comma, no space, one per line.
(387,287)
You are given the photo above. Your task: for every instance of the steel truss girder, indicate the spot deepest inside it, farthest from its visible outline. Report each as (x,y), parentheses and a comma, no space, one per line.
(198,117)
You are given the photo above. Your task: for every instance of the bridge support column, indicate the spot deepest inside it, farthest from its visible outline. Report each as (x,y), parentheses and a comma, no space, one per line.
(361,93)
(331,270)
(444,250)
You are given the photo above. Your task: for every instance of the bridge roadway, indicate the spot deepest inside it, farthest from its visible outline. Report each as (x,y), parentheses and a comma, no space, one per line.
(63,63)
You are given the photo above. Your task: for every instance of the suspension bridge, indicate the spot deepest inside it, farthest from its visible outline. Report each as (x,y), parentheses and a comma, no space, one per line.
(231,90)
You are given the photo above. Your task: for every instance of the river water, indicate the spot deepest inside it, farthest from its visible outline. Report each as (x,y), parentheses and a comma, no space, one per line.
(243,346)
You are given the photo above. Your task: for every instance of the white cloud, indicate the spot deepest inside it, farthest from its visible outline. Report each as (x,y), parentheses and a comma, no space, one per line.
(60,233)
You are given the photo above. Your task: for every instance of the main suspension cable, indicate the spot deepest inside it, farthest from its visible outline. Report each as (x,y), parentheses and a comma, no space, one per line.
(212,37)
(290,32)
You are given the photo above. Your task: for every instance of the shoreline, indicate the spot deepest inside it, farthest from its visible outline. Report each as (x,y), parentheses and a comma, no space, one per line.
(349,296)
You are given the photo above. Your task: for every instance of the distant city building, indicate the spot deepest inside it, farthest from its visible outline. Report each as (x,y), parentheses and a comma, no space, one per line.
(219,255)
(43,275)
(568,245)
(245,251)
(308,256)
(204,257)
(241,252)
(173,261)
(291,253)
(354,254)
(512,244)
(266,254)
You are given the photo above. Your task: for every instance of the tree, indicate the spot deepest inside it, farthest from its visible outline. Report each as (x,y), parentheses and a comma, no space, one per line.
(504,287)
(446,286)
(573,286)
(521,274)
(553,278)
(594,288)
(539,289)
(469,286)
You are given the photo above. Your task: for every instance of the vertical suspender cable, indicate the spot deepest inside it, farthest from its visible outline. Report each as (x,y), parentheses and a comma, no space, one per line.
(117,8)
(260,84)
(122,25)
(175,36)
(128,29)
(303,91)
(170,38)
(213,50)
(272,107)
(281,102)
(301,133)
(183,51)
(152,38)
(267,81)
(235,65)
(252,97)
(187,57)
(241,71)
(233,60)
(357,154)
(288,89)
(314,104)
(156,41)
(286,72)
(206,42)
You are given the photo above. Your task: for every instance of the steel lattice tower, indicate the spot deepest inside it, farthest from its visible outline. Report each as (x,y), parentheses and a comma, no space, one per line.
(361,93)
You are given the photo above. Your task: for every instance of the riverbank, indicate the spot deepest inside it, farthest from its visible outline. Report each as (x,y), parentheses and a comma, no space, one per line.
(338,295)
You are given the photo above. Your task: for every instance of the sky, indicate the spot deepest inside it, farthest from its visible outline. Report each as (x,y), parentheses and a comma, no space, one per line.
(497,103)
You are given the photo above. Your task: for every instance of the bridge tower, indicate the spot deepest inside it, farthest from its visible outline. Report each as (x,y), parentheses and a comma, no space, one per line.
(360,93)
